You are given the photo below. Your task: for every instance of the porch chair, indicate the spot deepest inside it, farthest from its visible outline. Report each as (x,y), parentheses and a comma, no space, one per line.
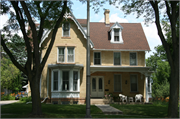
(123,97)
(138,97)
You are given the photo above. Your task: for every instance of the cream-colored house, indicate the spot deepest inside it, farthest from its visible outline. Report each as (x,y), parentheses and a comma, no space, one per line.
(117,55)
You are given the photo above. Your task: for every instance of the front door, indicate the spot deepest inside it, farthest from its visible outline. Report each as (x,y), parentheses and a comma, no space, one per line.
(97,86)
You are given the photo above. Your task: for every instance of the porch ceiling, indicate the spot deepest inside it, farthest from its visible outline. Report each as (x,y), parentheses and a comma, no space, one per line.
(143,70)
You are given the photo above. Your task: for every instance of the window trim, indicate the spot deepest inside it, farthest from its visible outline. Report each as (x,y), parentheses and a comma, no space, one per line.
(94,58)
(64,54)
(120,59)
(73,54)
(130,59)
(121,82)
(63,30)
(137,83)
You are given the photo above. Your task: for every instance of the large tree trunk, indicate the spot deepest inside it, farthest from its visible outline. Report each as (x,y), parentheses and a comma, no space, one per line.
(35,94)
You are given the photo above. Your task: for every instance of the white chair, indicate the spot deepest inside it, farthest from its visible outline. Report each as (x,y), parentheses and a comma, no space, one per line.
(123,97)
(138,97)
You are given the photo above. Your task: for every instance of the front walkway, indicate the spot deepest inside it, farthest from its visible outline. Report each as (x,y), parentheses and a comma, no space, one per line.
(8,102)
(107,109)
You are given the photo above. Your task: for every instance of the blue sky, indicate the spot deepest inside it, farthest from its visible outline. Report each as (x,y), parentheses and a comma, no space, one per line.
(80,12)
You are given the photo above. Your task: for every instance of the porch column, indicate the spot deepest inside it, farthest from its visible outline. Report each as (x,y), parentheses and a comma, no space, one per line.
(147,96)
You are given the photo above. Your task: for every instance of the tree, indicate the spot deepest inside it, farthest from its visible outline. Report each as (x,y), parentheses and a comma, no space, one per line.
(155,11)
(50,14)
(10,75)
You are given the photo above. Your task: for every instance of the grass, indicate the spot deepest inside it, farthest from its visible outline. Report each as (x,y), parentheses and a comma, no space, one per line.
(22,110)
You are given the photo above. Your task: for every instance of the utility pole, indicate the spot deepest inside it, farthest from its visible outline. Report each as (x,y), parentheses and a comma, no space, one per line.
(88,109)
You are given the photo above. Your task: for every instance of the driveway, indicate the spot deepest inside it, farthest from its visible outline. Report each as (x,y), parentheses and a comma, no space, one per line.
(8,102)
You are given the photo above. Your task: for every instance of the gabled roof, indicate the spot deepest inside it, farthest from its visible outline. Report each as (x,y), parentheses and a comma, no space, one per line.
(133,36)
(116,25)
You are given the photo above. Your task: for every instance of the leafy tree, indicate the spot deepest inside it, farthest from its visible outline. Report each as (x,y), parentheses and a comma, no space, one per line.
(50,14)
(10,75)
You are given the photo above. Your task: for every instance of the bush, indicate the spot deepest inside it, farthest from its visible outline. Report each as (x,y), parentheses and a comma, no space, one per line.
(26,99)
(7,97)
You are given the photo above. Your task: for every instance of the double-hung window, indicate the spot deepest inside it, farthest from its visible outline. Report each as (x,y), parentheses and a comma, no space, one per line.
(70,55)
(97,58)
(75,80)
(55,80)
(61,54)
(116,35)
(134,87)
(117,82)
(117,58)
(66,29)
(65,82)
(133,59)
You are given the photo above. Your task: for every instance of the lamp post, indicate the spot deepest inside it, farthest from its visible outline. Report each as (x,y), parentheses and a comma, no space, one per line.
(88,110)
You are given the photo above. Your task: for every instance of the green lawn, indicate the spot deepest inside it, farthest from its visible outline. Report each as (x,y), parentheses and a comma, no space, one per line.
(21,110)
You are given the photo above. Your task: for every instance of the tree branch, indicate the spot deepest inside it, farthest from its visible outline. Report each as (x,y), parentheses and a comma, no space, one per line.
(53,35)
(12,57)
(168,10)
(157,21)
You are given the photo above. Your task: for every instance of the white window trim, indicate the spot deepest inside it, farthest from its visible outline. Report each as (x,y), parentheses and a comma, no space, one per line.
(52,80)
(120,35)
(120,59)
(78,81)
(137,83)
(73,54)
(94,58)
(63,30)
(121,83)
(58,54)
(136,59)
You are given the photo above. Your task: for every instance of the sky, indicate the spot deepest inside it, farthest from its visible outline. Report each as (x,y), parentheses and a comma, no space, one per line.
(80,12)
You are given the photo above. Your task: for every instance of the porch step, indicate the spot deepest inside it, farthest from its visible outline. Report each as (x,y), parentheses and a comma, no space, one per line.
(99,101)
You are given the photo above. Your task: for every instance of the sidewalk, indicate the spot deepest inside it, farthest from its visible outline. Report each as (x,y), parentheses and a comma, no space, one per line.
(107,109)
(8,102)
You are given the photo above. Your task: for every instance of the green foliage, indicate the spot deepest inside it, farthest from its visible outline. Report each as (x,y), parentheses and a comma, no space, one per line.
(10,75)
(26,99)
(7,97)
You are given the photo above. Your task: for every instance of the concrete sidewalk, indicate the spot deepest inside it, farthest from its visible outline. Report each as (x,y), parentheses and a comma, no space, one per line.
(8,102)
(107,109)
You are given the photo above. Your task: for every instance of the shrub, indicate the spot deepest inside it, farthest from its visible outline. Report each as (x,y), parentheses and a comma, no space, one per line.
(7,97)
(26,99)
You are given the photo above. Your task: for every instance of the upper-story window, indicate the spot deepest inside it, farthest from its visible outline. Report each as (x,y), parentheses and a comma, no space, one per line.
(66,54)
(117,58)
(116,33)
(66,29)
(97,58)
(133,59)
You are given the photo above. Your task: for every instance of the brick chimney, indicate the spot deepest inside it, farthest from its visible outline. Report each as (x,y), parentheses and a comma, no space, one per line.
(106,17)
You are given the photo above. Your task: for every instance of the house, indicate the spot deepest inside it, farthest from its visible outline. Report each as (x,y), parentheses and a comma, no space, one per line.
(117,61)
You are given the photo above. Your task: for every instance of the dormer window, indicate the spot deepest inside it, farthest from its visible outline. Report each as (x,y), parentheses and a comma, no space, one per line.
(116,33)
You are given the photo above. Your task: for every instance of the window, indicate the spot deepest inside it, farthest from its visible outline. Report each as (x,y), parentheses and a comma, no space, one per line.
(133,83)
(66,29)
(55,80)
(75,80)
(133,59)
(116,35)
(97,58)
(117,82)
(61,55)
(70,55)
(65,80)
(117,58)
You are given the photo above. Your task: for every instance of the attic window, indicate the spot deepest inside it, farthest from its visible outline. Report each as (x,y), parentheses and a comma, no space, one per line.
(66,29)
(116,33)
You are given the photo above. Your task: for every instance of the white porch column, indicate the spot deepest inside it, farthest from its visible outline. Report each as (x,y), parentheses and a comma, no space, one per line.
(147,95)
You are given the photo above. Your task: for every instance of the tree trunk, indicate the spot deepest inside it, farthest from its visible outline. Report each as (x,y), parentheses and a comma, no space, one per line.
(35,94)
(174,91)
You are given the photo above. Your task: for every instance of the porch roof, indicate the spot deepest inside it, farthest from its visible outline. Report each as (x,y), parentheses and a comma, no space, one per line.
(66,66)
(143,70)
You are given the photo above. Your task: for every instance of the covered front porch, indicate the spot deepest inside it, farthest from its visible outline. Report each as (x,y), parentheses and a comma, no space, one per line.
(128,81)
